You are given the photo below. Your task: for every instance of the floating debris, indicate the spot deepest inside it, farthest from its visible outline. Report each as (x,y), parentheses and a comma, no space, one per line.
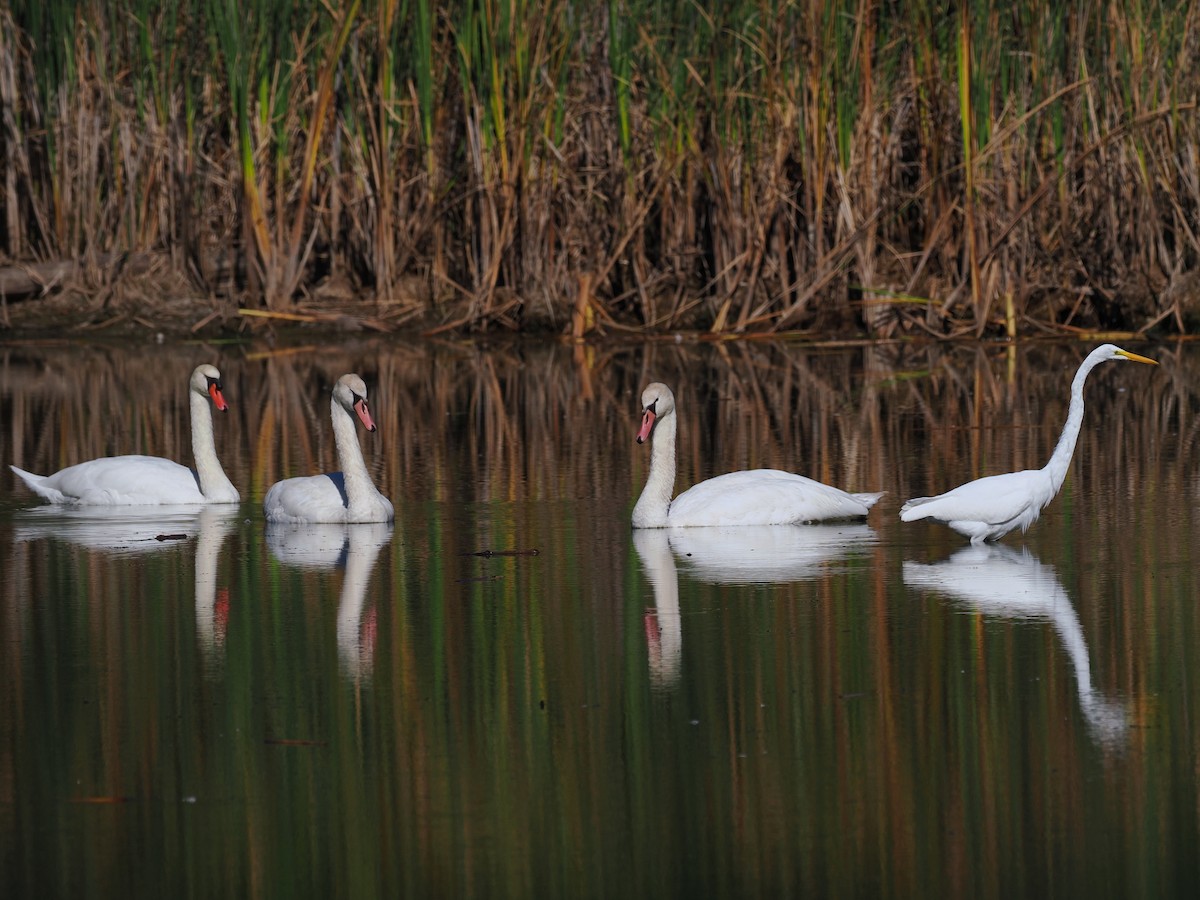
(487,554)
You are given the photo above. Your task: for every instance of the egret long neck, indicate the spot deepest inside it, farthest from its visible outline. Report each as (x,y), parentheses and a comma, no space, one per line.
(214,483)
(356,479)
(1060,459)
(652,505)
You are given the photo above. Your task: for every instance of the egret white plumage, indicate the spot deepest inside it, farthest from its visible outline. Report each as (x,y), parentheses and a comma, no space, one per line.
(989,508)
(754,497)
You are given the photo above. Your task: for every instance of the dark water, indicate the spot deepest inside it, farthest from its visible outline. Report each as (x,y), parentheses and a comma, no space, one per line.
(854,710)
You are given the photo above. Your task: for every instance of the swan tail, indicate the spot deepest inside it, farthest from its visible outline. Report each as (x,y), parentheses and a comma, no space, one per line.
(868,500)
(37,484)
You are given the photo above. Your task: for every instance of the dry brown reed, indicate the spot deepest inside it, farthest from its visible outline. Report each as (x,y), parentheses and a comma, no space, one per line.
(762,167)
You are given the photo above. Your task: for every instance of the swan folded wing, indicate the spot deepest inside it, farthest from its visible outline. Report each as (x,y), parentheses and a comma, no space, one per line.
(307,498)
(124,481)
(764,497)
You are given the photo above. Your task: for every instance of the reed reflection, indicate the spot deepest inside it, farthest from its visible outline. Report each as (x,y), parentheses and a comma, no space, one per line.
(999,581)
(355,550)
(760,554)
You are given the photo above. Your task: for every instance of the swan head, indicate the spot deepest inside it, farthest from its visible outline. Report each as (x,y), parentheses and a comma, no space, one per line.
(657,401)
(206,381)
(351,392)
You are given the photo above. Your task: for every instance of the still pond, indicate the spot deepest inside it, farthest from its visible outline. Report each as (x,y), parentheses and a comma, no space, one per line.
(509,693)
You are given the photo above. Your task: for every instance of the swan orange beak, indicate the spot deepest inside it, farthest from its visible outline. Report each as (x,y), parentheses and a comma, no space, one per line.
(364,414)
(218,399)
(647,423)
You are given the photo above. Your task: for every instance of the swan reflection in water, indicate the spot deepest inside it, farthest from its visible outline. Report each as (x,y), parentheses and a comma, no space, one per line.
(132,531)
(355,549)
(1000,581)
(122,530)
(759,554)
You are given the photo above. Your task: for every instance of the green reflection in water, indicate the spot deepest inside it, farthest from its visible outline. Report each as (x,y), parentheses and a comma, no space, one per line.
(796,712)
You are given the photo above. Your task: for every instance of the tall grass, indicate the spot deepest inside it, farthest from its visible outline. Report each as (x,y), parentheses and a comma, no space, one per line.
(758,165)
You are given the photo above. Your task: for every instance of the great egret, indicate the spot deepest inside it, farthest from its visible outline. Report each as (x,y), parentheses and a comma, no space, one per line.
(989,508)
(346,496)
(149,480)
(755,497)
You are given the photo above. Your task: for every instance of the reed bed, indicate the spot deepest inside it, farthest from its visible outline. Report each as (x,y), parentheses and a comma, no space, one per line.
(764,165)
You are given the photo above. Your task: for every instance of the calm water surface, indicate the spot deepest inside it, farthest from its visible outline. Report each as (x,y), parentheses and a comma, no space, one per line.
(844,710)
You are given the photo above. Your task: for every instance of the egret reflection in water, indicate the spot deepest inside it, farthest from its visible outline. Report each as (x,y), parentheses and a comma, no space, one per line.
(759,554)
(1006,583)
(355,550)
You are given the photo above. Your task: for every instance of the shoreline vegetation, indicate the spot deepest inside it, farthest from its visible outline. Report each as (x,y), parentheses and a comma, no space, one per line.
(865,168)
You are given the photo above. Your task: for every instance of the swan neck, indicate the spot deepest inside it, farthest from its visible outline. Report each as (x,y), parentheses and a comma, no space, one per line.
(356,479)
(655,501)
(214,483)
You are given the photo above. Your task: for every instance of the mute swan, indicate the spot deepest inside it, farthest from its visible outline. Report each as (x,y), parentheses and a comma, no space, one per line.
(755,497)
(989,508)
(346,496)
(149,480)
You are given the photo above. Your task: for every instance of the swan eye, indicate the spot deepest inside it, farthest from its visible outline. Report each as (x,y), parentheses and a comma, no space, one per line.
(651,407)
(213,382)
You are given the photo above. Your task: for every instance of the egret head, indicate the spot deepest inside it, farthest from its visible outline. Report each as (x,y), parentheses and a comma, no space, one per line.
(1118,353)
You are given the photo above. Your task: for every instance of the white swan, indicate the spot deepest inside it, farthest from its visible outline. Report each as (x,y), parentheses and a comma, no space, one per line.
(149,480)
(989,508)
(346,496)
(754,497)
